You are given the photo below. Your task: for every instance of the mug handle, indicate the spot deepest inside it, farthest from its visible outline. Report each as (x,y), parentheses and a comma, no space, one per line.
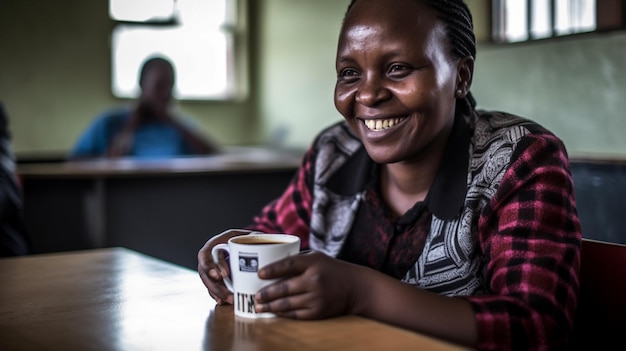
(215,255)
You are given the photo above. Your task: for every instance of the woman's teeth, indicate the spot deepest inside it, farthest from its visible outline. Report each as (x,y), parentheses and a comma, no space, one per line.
(381,124)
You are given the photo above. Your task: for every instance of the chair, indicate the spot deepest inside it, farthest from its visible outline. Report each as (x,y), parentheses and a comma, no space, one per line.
(601,316)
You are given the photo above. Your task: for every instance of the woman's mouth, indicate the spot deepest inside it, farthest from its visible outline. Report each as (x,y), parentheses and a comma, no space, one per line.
(382,124)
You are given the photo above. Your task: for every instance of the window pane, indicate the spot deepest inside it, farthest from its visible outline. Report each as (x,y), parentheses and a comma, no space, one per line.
(585,14)
(200,60)
(200,46)
(541,19)
(141,10)
(202,13)
(574,16)
(512,19)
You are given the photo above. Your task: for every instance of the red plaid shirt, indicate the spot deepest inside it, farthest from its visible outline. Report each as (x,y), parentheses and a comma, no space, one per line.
(528,236)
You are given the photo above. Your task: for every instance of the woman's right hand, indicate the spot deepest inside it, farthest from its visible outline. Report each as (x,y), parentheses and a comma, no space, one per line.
(213,273)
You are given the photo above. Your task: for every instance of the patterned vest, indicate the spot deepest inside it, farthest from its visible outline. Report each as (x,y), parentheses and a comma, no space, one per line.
(451,263)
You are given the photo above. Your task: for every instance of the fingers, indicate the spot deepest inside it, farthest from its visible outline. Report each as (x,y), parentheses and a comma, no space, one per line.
(278,290)
(214,283)
(212,275)
(295,297)
(310,286)
(210,270)
(304,305)
(204,258)
(295,306)
(293,278)
(289,266)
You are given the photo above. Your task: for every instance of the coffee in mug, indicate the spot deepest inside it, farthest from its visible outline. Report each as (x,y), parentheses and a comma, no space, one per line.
(247,254)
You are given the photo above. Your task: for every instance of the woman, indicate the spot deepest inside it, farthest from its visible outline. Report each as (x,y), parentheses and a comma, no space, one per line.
(420,210)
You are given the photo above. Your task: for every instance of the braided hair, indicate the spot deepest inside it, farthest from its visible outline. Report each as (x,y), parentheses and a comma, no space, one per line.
(457,19)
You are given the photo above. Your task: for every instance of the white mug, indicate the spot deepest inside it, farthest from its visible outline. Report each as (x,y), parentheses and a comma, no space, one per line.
(248,253)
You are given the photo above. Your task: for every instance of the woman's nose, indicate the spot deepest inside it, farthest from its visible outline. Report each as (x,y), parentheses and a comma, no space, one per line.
(372,91)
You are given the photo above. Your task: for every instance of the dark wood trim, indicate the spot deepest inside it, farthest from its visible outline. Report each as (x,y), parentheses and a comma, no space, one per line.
(610,14)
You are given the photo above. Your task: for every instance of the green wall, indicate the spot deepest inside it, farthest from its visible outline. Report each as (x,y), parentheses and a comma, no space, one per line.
(297,67)
(55,71)
(574,86)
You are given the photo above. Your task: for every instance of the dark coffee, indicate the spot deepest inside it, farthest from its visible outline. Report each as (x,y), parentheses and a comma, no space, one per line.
(256,240)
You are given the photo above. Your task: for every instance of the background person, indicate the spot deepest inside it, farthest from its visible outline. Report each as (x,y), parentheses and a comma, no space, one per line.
(148,128)
(422,211)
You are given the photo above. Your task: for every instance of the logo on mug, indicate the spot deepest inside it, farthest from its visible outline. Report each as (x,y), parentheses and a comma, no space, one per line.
(245,303)
(248,262)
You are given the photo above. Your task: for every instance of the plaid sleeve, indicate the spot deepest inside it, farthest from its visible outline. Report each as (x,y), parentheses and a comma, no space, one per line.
(291,212)
(530,235)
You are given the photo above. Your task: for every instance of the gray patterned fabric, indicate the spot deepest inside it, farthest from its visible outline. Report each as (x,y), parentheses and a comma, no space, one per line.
(450,263)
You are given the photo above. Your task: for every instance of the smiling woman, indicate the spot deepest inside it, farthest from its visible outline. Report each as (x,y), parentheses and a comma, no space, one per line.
(420,210)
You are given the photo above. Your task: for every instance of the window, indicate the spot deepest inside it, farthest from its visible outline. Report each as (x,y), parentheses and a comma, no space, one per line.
(524,20)
(198,36)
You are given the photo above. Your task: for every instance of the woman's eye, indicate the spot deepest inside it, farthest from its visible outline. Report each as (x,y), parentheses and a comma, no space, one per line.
(396,68)
(348,73)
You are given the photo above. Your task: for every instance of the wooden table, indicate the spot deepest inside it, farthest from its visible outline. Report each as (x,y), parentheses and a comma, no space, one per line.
(118,299)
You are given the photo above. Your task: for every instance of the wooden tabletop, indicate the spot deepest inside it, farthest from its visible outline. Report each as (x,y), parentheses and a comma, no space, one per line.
(118,299)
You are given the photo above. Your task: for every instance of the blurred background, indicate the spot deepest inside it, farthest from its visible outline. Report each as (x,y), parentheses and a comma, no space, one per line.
(58,66)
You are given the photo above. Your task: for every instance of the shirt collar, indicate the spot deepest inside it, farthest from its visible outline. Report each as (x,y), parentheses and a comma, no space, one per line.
(447,194)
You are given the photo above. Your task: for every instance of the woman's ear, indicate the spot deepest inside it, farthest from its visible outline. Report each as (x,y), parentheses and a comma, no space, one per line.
(465,73)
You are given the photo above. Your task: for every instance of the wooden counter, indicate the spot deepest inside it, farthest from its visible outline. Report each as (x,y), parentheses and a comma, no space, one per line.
(165,208)
(233,160)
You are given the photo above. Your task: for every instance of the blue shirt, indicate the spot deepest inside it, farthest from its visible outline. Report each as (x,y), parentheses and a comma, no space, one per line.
(150,140)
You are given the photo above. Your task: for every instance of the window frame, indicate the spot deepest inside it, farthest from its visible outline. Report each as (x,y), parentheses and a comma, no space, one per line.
(237,86)
(610,16)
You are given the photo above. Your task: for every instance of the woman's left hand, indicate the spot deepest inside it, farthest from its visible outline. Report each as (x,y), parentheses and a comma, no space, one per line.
(312,286)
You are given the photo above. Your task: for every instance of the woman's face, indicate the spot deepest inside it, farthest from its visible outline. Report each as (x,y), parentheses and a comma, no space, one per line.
(396,79)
